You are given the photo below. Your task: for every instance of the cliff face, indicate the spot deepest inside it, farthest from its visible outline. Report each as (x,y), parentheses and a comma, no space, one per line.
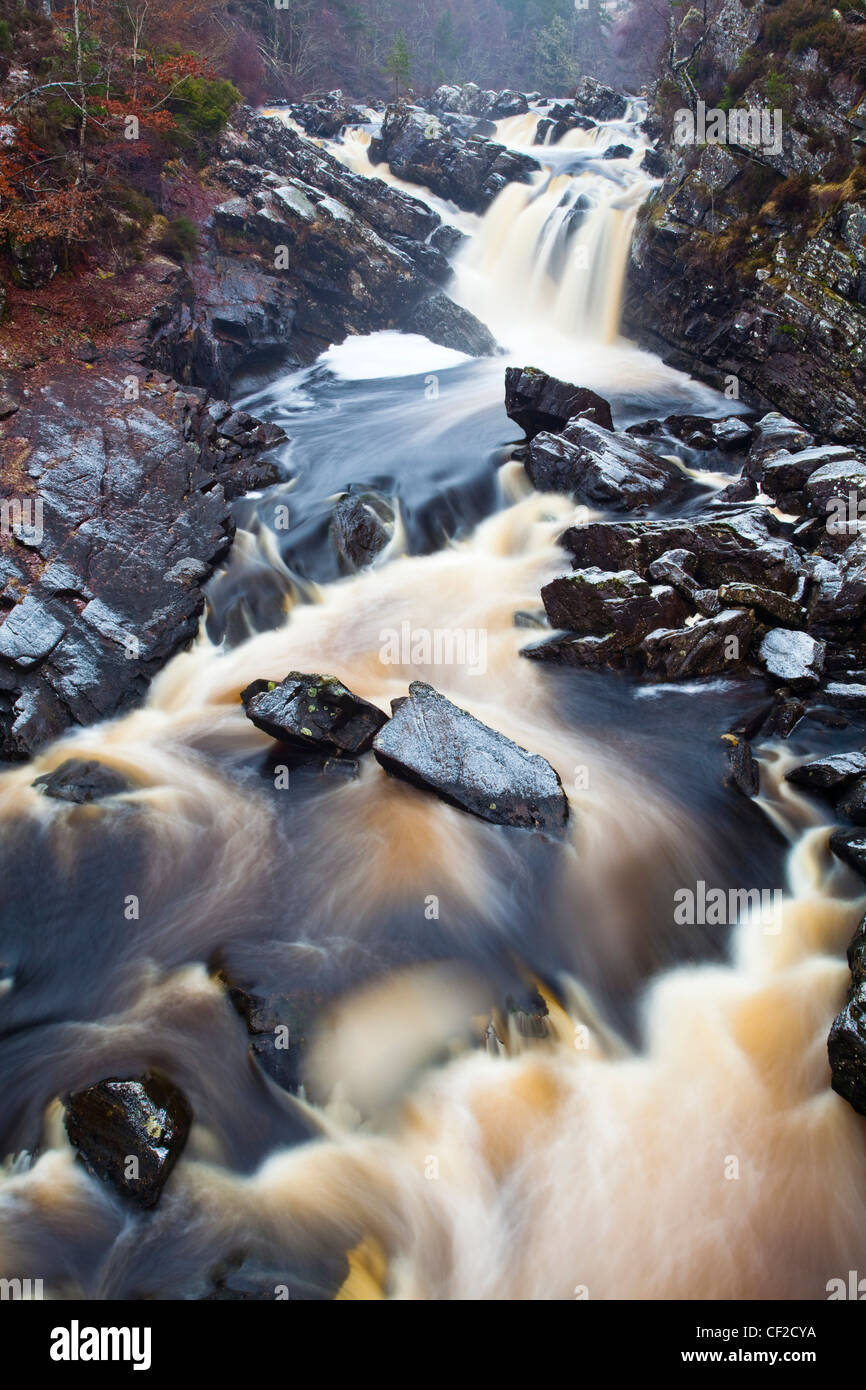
(750,261)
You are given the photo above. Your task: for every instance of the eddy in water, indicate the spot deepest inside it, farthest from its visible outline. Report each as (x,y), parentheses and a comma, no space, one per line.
(371,1036)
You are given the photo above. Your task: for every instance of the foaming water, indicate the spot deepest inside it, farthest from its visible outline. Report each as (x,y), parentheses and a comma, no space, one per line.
(667,1129)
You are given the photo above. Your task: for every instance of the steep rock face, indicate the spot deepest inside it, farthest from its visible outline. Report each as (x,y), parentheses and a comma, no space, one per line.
(299,254)
(128,509)
(737,271)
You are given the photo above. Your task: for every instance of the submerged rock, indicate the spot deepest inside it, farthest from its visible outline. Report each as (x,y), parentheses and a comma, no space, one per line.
(436,745)
(315,714)
(145,1119)
(361,527)
(279,1026)
(81,782)
(536,402)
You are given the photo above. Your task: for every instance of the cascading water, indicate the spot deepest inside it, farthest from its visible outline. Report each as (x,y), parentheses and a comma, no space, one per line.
(671,1133)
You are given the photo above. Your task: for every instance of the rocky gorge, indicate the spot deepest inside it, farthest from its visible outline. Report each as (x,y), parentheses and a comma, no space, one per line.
(276,833)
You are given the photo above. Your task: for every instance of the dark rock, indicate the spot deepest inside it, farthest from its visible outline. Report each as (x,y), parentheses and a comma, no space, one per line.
(734,547)
(731,433)
(362,526)
(786,473)
(654,163)
(442,321)
(852,802)
(850,846)
(743,769)
(536,402)
(846,1044)
(135,498)
(832,484)
(851,697)
(709,647)
(82,782)
(831,775)
(600,102)
(593,601)
(601,468)
(775,431)
(676,567)
(146,1119)
(419,148)
(280,1026)
(793,658)
(314,714)
(767,601)
(618,152)
(435,745)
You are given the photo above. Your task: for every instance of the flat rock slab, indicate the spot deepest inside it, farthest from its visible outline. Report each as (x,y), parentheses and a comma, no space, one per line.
(436,745)
(315,714)
(146,1119)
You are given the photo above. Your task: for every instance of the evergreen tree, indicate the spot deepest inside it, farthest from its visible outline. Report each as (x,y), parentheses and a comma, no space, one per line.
(399,62)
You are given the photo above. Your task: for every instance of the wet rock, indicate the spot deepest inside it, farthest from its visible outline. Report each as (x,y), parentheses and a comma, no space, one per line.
(766,601)
(743,769)
(846,1044)
(843,696)
(793,658)
(314,714)
(589,651)
(442,321)
(828,488)
(618,152)
(830,775)
(81,782)
(775,431)
(676,567)
(731,434)
(419,148)
(852,802)
(598,602)
(362,526)
(134,498)
(310,1277)
(437,746)
(850,846)
(787,473)
(600,468)
(711,646)
(734,547)
(146,1119)
(536,401)
(280,1026)
(654,163)
(602,103)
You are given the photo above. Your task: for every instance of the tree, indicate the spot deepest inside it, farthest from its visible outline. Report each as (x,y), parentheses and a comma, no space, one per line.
(555,68)
(399,62)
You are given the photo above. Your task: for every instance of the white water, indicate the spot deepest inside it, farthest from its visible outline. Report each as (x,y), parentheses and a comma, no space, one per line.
(543,1169)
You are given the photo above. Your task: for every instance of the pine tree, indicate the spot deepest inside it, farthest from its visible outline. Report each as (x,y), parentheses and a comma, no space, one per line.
(399,62)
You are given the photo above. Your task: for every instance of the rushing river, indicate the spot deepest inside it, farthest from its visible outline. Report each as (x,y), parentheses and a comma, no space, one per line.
(671,1133)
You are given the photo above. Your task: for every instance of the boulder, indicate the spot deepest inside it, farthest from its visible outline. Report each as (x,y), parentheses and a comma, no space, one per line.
(767,601)
(437,746)
(743,770)
(793,658)
(852,802)
(536,401)
(732,547)
(361,527)
(711,646)
(145,1118)
(677,567)
(830,775)
(602,103)
(601,469)
(850,846)
(442,321)
(732,433)
(313,714)
(594,601)
(279,1026)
